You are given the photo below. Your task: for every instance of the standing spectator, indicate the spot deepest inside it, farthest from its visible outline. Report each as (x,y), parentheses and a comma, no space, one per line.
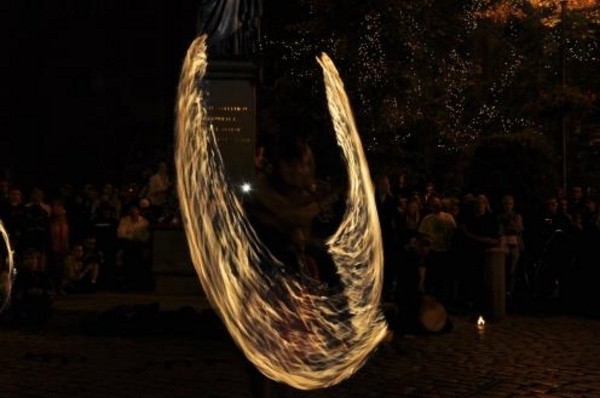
(451,205)
(591,214)
(576,200)
(412,219)
(401,189)
(565,209)
(13,216)
(129,195)
(78,215)
(37,224)
(91,254)
(110,204)
(59,242)
(588,257)
(553,219)
(429,193)
(4,190)
(552,248)
(411,284)
(482,232)
(104,227)
(440,227)
(388,213)
(511,230)
(551,226)
(66,195)
(91,200)
(133,231)
(171,214)
(37,199)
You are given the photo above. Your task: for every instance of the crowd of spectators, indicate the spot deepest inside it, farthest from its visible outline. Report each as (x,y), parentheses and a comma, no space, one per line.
(548,248)
(79,239)
(436,244)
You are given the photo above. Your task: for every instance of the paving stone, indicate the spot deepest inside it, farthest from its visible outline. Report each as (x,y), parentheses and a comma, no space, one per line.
(519,357)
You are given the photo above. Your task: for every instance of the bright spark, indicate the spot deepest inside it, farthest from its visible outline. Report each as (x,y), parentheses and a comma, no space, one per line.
(246,187)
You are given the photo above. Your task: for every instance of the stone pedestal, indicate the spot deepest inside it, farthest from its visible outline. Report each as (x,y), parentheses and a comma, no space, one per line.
(494,284)
(172,266)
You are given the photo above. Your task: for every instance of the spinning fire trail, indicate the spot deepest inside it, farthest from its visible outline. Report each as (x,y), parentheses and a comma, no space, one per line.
(291,331)
(7,284)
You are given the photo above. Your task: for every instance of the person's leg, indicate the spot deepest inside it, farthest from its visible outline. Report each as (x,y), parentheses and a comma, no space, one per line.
(129,265)
(512,259)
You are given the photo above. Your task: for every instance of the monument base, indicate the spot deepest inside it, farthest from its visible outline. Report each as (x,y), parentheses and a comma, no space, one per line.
(174,273)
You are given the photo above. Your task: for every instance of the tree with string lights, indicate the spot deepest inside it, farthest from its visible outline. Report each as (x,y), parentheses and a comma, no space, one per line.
(429,78)
(560,76)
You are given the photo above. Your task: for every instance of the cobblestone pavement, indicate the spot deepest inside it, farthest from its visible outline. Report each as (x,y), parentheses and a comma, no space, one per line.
(556,356)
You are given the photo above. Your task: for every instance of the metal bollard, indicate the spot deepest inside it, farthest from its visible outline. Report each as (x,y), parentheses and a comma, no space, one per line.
(495,284)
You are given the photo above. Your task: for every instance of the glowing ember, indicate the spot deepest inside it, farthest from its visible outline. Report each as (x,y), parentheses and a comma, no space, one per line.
(290,330)
(480,322)
(7,278)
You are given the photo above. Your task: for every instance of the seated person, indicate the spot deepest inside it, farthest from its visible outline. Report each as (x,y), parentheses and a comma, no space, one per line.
(91,255)
(81,273)
(134,234)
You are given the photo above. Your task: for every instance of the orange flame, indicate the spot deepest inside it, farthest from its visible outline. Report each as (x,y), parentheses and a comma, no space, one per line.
(480,321)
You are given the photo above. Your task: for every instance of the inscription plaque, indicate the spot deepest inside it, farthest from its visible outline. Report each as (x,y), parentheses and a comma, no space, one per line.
(231,108)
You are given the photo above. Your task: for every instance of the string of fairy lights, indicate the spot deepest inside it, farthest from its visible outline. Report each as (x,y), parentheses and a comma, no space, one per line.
(441,82)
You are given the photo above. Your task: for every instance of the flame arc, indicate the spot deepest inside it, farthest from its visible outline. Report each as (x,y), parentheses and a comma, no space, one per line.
(10,268)
(289,330)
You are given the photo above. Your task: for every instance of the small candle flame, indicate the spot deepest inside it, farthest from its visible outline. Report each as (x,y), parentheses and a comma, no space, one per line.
(480,321)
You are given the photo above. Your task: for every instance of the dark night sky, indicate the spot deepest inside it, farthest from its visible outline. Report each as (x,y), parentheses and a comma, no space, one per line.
(91,85)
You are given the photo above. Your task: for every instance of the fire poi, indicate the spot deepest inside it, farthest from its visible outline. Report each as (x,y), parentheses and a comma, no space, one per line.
(290,332)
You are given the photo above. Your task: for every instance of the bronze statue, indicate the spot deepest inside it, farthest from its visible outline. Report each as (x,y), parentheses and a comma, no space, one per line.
(232,26)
